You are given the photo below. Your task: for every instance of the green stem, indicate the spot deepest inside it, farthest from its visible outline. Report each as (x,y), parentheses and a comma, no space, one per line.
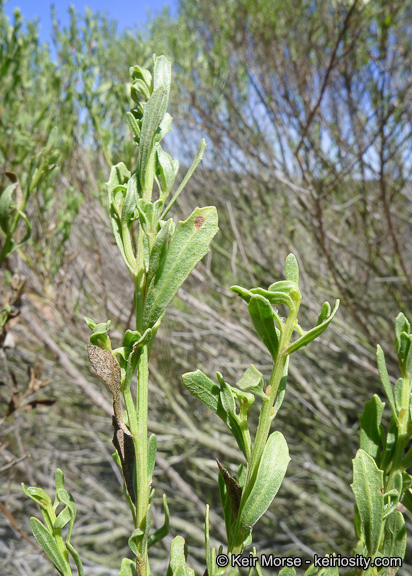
(265,420)
(143,482)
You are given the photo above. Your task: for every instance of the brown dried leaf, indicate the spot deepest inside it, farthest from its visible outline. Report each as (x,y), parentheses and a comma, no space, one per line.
(234,491)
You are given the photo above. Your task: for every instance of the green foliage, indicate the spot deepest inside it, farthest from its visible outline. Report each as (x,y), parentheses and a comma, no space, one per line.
(160,256)
(49,536)
(380,478)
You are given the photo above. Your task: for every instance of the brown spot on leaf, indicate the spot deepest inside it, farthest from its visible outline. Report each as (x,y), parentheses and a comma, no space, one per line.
(199,221)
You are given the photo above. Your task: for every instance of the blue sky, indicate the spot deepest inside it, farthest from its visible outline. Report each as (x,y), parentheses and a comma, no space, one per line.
(126,12)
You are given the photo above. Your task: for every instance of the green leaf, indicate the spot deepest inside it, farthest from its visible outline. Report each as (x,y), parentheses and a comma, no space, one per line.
(270,474)
(369,427)
(287,571)
(390,444)
(189,244)
(39,496)
(159,251)
(398,394)
(133,125)
(324,313)
(151,455)
(67,499)
(162,76)
(401,325)
(202,388)
(62,519)
(165,127)
(285,286)
(252,381)
(131,542)
(391,498)
(162,532)
(275,298)
(59,479)
(166,171)
(226,396)
(292,269)
(394,542)
(46,541)
(177,565)
(128,568)
(5,207)
(99,336)
(246,295)
(154,111)
(367,487)
(384,376)
(262,316)
(314,333)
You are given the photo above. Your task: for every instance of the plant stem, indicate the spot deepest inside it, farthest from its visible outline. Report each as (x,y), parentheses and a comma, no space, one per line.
(265,420)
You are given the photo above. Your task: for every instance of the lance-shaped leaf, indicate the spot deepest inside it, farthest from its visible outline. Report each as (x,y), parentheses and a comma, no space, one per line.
(292,269)
(48,544)
(315,332)
(177,565)
(166,171)
(398,394)
(384,376)
(394,543)
(189,244)
(202,388)
(367,487)
(151,455)
(270,474)
(153,114)
(369,427)
(159,251)
(162,76)
(262,316)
